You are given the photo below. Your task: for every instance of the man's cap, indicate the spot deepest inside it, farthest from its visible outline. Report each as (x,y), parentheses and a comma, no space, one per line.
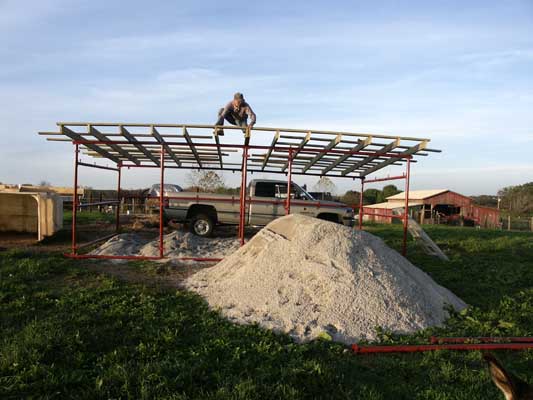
(238,96)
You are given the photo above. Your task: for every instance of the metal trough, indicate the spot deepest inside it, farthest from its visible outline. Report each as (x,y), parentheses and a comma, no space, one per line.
(31,212)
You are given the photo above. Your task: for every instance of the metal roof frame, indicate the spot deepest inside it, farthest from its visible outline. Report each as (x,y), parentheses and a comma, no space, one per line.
(291,151)
(314,152)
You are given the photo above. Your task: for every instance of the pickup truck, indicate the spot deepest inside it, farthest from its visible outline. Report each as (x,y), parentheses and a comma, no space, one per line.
(265,201)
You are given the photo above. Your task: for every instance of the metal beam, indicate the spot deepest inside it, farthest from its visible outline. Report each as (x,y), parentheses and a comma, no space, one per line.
(217,141)
(410,151)
(100,136)
(361,145)
(383,150)
(77,137)
(297,150)
(269,152)
(331,145)
(133,141)
(191,145)
(167,148)
(255,128)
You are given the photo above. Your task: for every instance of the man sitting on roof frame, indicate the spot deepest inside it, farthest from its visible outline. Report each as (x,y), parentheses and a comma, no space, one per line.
(236,113)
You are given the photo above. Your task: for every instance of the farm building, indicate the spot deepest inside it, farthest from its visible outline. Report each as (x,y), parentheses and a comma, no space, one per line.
(440,206)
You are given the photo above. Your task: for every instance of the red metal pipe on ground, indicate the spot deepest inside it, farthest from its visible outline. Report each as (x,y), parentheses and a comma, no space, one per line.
(117,223)
(75,198)
(503,339)
(110,257)
(114,257)
(416,348)
(242,204)
(406,211)
(161,201)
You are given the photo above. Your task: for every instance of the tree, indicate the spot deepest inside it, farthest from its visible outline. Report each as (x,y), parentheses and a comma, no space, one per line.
(518,200)
(351,197)
(44,183)
(485,200)
(206,181)
(372,196)
(228,190)
(325,185)
(389,190)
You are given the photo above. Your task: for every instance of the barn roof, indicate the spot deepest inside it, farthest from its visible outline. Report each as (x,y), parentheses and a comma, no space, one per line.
(385,206)
(418,194)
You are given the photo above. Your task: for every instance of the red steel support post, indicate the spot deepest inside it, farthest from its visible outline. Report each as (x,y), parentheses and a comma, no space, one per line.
(118,198)
(289,182)
(161,201)
(361,203)
(406,209)
(75,199)
(242,204)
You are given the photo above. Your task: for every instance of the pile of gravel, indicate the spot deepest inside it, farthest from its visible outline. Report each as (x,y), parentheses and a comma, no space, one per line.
(176,244)
(305,277)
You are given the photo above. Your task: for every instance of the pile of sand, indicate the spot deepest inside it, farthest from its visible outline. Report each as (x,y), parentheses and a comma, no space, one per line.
(176,244)
(304,276)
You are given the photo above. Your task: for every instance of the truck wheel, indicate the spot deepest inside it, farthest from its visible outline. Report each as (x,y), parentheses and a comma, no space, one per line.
(202,225)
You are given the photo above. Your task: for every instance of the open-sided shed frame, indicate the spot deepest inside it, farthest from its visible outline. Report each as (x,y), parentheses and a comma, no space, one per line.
(180,146)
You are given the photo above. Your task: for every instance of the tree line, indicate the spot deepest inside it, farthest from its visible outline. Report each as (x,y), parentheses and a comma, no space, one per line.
(517,200)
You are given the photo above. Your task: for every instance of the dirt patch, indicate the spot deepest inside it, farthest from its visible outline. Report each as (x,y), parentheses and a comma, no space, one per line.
(167,276)
(145,221)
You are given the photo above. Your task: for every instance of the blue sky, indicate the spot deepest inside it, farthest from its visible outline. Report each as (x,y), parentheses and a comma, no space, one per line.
(460,73)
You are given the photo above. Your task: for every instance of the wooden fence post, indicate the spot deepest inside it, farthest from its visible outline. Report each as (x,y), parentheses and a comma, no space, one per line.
(508,222)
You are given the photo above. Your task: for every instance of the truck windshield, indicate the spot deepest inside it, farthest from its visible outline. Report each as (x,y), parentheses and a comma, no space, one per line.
(305,192)
(296,192)
(279,190)
(169,188)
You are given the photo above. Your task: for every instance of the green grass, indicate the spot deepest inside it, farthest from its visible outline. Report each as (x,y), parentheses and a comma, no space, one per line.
(69,333)
(87,217)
